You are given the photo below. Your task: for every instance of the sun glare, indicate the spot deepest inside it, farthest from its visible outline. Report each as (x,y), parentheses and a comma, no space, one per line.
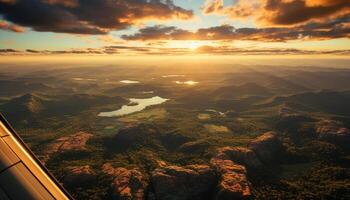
(193,45)
(190,45)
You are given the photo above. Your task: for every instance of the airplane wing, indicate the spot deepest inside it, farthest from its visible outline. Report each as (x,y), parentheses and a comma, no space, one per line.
(22,175)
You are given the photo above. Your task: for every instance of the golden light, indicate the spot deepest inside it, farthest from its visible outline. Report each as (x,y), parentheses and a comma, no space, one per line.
(193,45)
(186,82)
(190,82)
(186,44)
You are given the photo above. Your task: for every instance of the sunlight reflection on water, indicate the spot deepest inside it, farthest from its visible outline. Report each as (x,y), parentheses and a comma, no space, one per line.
(135,105)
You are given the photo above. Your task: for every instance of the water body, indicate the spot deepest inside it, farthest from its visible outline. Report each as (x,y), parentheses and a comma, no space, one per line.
(83,79)
(129,81)
(173,75)
(186,82)
(147,92)
(135,105)
(215,111)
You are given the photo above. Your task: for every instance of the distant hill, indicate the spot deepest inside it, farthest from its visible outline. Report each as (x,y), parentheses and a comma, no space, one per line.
(274,83)
(23,107)
(12,87)
(30,106)
(325,101)
(68,104)
(29,103)
(136,88)
(284,86)
(247,89)
(335,79)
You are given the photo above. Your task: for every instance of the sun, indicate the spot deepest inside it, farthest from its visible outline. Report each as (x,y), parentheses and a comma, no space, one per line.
(193,45)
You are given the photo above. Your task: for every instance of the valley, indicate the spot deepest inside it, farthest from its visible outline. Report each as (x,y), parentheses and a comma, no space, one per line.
(229,132)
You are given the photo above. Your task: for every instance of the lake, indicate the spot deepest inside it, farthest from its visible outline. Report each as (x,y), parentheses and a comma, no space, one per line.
(83,79)
(135,105)
(186,82)
(129,81)
(147,92)
(173,76)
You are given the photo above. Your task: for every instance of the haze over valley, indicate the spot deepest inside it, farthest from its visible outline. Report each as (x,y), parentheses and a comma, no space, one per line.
(177,99)
(283,128)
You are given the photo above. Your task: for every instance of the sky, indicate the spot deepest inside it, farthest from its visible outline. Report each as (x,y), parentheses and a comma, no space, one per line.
(175,27)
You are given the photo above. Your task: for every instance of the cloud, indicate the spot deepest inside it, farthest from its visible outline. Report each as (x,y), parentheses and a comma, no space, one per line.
(145,50)
(5,51)
(242,8)
(280,12)
(213,6)
(88,16)
(8,1)
(159,33)
(66,3)
(300,11)
(229,50)
(338,28)
(11,27)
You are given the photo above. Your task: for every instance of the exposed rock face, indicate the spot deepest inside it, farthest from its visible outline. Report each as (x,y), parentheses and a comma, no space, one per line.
(75,142)
(127,184)
(287,113)
(233,183)
(128,134)
(194,147)
(174,140)
(333,131)
(193,182)
(240,155)
(133,135)
(79,175)
(266,146)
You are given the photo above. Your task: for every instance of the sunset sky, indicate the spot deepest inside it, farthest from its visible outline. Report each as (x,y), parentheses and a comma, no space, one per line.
(175,27)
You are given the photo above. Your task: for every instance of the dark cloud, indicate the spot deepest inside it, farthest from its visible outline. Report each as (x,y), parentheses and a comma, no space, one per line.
(159,33)
(88,16)
(79,51)
(281,12)
(300,11)
(338,28)
(8,51)
(138,49)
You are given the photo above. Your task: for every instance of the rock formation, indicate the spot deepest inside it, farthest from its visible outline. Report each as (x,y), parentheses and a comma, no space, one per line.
(233,183)
(78,175)
(139,134)
(241,155)
(127,184)
(183,183)
(194,146)
(332,131)
(266,146)
(287,113)
(75,142)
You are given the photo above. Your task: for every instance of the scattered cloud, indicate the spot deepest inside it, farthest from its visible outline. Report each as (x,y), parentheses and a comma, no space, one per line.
(160,33)
(229,50)
(338,28)
(241,9)
(11,27)
(88,16)
(146,50)
(280,12)
(8,51)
